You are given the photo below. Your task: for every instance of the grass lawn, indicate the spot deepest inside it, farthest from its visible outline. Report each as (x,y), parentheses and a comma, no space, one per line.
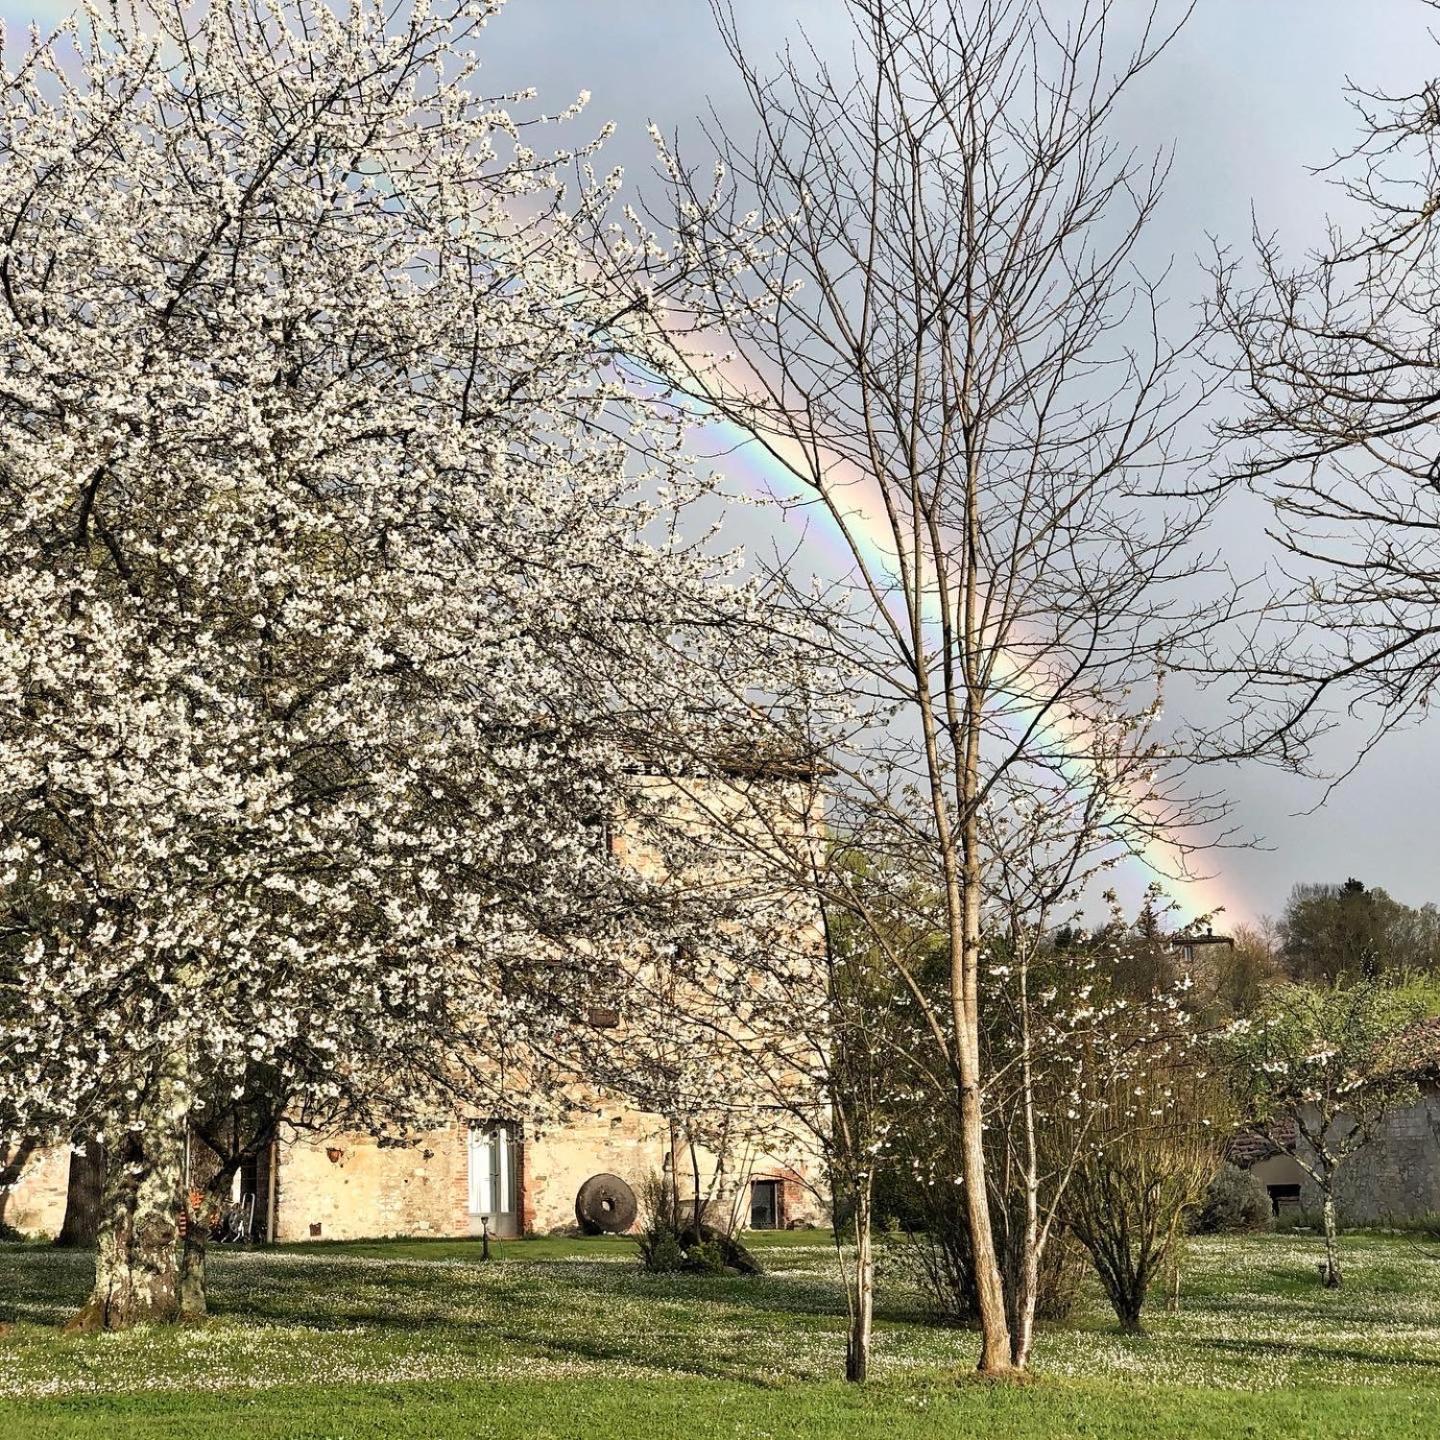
(570,1339)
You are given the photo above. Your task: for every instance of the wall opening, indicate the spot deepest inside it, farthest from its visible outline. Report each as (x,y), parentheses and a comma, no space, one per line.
(1284,1199)
(494,1179)
(764,1204)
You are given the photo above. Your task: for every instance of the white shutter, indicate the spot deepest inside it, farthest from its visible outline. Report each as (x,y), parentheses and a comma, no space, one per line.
(481,1181)
(502,1189)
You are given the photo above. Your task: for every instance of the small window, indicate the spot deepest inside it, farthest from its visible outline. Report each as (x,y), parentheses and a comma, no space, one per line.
(602,1017)
(1283,1198)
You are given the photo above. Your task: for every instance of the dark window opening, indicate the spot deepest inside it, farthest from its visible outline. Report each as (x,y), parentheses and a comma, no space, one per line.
(1283,1197)
(599,835)
(602,1017)
(764,1204)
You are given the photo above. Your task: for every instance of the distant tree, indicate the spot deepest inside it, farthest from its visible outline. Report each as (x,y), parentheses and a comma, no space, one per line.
(1236,977)
(1330,933)
(1325,1064)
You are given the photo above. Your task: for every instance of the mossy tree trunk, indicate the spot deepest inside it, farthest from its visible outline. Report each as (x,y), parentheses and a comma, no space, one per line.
(192,1270)
(1330,1271)
(862,1301)
(137,1278)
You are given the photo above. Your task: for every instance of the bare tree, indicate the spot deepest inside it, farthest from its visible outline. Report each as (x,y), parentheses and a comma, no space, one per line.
(916,293)
(1338,357)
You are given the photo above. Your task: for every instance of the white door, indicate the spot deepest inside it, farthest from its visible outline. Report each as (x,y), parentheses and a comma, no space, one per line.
(492,1178)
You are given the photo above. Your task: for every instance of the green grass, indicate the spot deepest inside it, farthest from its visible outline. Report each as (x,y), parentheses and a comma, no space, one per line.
(541,1247)
(569,1338)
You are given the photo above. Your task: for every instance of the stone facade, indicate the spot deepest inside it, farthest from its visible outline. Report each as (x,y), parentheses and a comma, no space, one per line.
(348,1186)
(1394,1176)
(36,1204)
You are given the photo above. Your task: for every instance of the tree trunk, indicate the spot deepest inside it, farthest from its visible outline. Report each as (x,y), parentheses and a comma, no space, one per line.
(963,876)
(1330,1271)
(674,1177)
(699,1204)
(192,1270)
(12,1166)
(1027,1283)
(83,1193)
(1174,1257)
(995,1355)
(137,1278)
(862,1313)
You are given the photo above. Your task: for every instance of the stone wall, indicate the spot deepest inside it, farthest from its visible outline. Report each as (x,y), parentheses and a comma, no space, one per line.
(369,1190)
(1396,1175)
(349,1187)
(36,1203)
(615,1140)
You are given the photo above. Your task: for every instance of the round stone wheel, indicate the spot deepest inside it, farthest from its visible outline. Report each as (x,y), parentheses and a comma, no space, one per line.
(605,1205)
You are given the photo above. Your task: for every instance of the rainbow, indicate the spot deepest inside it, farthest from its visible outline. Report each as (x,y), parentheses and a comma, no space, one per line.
(769,468)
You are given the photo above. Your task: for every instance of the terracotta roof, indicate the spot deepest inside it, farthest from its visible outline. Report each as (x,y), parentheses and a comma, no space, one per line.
(1246,1147)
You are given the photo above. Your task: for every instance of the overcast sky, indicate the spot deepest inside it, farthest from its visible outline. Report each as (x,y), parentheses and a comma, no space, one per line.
(1250,95)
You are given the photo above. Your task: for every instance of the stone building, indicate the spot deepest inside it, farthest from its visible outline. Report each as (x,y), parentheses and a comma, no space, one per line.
(490,1173)
(1395,1175)
(451,1182)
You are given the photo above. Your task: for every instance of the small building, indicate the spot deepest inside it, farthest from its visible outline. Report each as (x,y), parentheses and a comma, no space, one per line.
(1395,1175)
(1193,946)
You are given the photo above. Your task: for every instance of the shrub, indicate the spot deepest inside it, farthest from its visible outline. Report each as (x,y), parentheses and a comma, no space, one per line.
(661,1253)
(939,1255)
(1138,1178)
(1236,1203)
(706,1257)
(1298,1222)
(659,1233)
